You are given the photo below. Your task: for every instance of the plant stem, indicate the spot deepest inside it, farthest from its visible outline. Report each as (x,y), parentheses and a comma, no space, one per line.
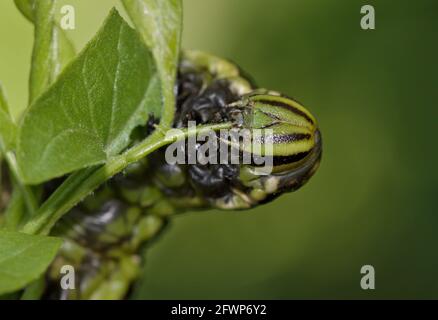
(29,197)
(82,183)
(14,212)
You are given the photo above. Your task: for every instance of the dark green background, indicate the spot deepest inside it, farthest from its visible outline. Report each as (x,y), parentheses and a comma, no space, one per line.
(374,199)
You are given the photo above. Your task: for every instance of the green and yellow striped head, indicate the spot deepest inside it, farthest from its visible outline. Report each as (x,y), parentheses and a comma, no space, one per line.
(290,138)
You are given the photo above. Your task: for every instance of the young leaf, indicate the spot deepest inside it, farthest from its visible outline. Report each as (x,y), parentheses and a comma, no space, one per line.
(160,24)
(15,211)
(62,46)
(8,134)
(24,258)
(51,50)
(7,126)
(87,115)
(35,290)
(27,8)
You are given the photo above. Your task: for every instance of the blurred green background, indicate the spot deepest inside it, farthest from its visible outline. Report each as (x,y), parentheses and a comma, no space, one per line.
(374,199)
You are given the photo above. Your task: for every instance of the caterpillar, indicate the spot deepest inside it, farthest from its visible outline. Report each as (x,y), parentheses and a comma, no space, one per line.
(104,235)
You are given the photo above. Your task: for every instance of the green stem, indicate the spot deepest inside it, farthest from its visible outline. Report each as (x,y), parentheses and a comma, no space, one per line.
(29,197)
(82,183)
(15,211)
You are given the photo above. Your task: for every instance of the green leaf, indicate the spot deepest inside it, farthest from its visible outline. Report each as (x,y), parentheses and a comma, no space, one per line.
(52,49)
(26,7)
(160,24)
(15,211)
(8,135)
(35,290)
(87,115)
(8,130)
(66,50)
(23,258)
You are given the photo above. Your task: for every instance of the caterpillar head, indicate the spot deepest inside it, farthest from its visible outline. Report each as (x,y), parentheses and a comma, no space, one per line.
(285,146)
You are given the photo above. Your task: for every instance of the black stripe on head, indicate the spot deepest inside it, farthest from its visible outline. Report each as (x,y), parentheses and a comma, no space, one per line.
(283,138)
(280,160)
(287,106)
(287,138)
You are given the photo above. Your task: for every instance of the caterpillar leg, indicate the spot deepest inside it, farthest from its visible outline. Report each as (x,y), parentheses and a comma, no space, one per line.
(94,278)
(102,250)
